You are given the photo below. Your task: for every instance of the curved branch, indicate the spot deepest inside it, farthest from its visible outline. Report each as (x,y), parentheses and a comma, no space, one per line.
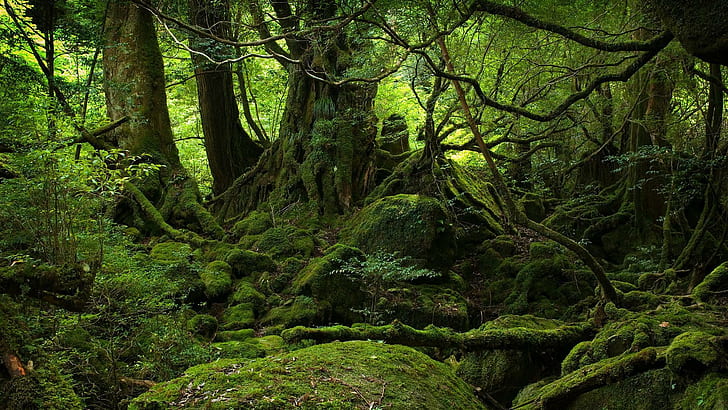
(656,43)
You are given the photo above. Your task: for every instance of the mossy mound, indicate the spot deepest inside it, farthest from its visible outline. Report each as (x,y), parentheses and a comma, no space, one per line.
(301,310)
(710,393)
(713,288)
(324,280)
(255,223)
(171,252)
(422,305)
(282,242)
(347,375)
(245,292)
(217,279)
(245,262)
(204,326)
(501,372)
(238,349)
(547,287)
(240,316)
(412,226)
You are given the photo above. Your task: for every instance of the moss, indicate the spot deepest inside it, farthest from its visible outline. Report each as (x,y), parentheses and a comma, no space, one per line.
(693,353)
(652,390)
(713,286)
(545,250)
(503,244)
(533,206)
(238,317)
(240,335)
(202,325)
(171,252)
(323,280)
(422,305)
(245,292)
(638,300)
(335,376)
(217,279)
(623,287)
(236,349)
(710,393)
(245,263)
(300,311)
(285,242)
(502,372)
(415,226)
(255,223)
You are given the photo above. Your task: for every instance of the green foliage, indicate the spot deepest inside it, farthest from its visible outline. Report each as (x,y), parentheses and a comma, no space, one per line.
(376,273)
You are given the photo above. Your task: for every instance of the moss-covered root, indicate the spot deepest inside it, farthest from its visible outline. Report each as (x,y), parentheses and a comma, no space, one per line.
(154,217)
(476,339)
(557,394)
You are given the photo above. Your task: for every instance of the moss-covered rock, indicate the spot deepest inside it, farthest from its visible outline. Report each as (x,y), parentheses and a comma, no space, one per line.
(171,252)
(236,349)
(694,353)
(502,373)
(302,310)
(714,288)
(334,376)
(710,393)
(285,242)
(245,292)
(255,223)
(422,305)
(245,262)
(238,317)
(324,280)
(240,335)
(533,206)
(217,279)
(414,226)
(202,325)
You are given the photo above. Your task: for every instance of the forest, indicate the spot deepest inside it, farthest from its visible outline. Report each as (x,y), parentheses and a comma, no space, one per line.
(363,204)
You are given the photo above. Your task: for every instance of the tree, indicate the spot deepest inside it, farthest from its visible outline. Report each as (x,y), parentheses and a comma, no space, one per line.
(230,150)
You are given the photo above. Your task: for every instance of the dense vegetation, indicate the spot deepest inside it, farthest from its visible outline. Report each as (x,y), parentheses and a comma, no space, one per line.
(363,204)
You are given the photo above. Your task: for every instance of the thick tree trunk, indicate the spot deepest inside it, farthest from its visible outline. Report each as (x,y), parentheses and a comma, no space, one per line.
(230,150)
(326,148)
(134,84)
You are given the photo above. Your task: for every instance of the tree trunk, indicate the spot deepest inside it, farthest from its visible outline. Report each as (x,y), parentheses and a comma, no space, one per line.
(134,87)
(134,84)
(326,146)
(230,150)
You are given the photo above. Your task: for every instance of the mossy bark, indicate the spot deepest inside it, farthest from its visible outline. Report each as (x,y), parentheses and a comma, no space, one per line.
(326,148)
(398,333)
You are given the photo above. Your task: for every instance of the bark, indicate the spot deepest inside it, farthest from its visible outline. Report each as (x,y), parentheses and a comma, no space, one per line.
(325,151)
(134,84)
(230,150)
(12,362)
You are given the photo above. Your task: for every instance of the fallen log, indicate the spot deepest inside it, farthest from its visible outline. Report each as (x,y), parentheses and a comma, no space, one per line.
(432,336)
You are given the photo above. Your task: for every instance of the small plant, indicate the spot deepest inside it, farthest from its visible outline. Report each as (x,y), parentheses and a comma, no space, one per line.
(379,271)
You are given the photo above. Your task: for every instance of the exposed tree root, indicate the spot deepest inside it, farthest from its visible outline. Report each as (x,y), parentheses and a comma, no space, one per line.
(11,361)
(399,333)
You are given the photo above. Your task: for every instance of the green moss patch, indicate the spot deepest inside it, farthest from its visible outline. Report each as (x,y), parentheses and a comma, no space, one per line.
(238,317)
(171,252)
(714,288)
(217,280)
(346,375)
(245,262)
(414,226)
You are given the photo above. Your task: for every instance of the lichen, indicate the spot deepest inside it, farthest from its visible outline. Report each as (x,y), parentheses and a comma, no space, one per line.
(345,375)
